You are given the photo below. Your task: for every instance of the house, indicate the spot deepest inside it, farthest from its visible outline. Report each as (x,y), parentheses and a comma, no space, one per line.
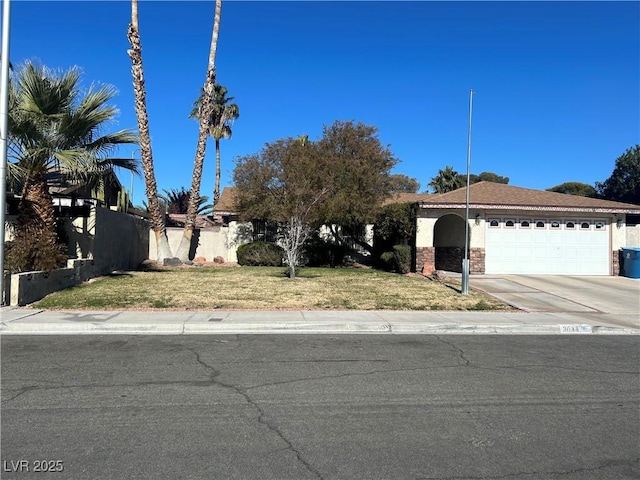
(514,230)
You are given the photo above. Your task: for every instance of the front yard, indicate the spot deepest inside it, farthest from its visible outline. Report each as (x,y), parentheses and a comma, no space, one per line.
(254,288)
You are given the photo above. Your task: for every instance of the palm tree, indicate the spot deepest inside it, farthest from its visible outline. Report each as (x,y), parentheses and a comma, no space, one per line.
(137,71)
(177,201)
(223,114)
(204,117)
(446,180)
(54,128)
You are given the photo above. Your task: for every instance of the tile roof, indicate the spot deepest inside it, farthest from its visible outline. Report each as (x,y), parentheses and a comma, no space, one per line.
(202,221)
(481,195)
(499,195)
(227,201)
(407,198)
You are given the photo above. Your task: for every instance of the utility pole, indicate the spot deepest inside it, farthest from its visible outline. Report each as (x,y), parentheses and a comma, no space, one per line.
(4,135)
(465,261)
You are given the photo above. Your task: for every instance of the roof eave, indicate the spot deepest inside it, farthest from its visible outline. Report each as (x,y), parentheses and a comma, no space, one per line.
(541,208)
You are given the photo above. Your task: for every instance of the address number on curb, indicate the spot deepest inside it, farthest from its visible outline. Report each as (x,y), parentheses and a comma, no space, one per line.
(575,328)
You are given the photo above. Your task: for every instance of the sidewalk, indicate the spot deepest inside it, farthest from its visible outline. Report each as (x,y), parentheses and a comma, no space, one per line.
(28,321)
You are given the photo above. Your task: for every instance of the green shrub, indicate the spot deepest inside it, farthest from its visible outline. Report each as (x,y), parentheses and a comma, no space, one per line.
(397,260)
(319,252)
(260,254)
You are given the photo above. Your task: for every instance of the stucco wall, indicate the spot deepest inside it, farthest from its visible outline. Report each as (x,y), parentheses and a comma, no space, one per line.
(632,236)
(426,222)
(207,243)
(102,243)
(113,240)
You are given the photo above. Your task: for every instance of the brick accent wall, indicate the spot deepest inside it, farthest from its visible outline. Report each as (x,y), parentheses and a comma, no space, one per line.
(425,260)
(616,260)
(449,258)
(476,260)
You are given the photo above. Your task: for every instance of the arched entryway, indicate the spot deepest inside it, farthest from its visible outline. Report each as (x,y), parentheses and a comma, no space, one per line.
(448,240)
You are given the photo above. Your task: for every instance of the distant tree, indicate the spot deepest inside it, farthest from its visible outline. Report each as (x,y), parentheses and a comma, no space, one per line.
(624,183)
(359,177)
(403,184)
(485,177)
(575,188)
(447,180)
(223,114)
(285,183)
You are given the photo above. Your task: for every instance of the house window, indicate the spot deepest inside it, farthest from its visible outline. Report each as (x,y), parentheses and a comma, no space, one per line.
(632,220)
(525,224)
(599,225)
(555,225)
(264,231)
(570,226)
(585,225)
(510,224)
(540,224)
(493,223)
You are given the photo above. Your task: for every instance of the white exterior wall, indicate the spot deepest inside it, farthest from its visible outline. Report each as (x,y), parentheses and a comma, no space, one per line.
(618,235)
(632,236)
(426,222)
(219,241)
(424,231)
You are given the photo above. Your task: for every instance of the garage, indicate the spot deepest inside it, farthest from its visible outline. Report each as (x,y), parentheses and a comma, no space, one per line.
(515,230)
(558,246)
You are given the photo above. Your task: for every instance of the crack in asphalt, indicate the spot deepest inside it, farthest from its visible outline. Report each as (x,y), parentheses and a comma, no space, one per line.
(22,391)
(545,474)
(196,383)
(461,353)
(30,388)
(351,374)
(558,367)
(214,374)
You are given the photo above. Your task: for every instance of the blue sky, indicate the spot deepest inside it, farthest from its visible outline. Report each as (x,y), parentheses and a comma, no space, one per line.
(556,84)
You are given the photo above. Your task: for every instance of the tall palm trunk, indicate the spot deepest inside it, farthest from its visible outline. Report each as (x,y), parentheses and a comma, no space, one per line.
(157,216)
(216,189)
(36,240)
(203,131)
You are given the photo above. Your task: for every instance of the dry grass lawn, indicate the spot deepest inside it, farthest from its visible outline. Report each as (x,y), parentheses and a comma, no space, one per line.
(253,288)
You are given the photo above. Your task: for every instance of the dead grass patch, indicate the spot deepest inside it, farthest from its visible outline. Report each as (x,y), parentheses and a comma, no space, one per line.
(266,288)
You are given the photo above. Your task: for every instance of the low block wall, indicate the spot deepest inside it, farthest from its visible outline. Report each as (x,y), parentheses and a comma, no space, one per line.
(106,241)
(29,287)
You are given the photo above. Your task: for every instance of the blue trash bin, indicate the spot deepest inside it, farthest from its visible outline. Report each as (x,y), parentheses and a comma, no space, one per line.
(631,262)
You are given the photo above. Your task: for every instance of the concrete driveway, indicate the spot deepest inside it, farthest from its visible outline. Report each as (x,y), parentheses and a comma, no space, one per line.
(554,293)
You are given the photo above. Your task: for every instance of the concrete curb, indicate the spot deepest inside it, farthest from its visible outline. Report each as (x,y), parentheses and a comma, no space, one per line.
(186,328)
(27,321)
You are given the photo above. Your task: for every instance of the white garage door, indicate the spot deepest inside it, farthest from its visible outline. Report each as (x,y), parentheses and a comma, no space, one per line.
(547,246)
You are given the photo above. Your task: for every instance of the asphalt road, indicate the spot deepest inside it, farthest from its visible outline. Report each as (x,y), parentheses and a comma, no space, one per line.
(321,407)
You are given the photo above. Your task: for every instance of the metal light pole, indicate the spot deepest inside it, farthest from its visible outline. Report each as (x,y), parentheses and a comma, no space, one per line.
(4,134)
(465,261)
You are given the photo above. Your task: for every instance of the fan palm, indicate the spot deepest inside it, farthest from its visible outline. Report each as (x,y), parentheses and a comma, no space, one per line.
(177,201)
(446,180)
(55,127)
(223,114)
